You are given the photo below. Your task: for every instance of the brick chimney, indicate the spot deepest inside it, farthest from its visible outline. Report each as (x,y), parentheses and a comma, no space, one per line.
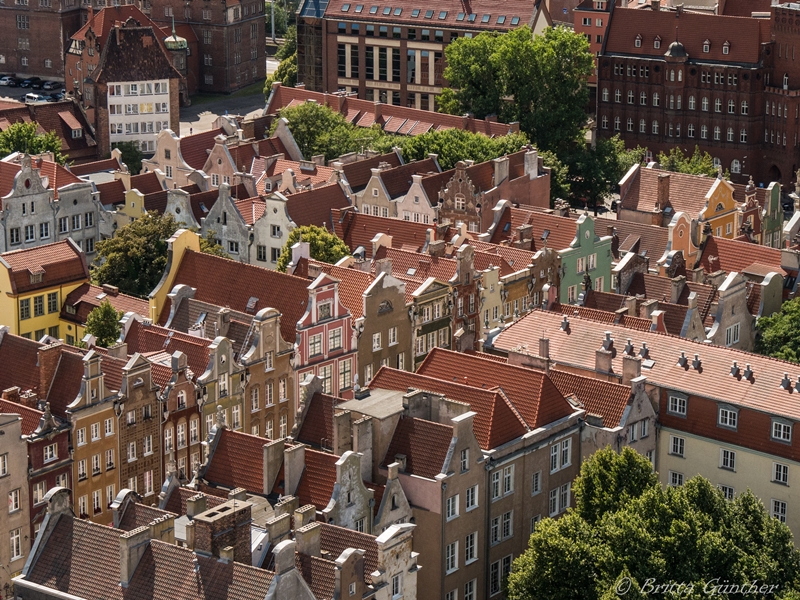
(132,545)
(304,515)
(48,358)
(308,539)
(678,284)
(663,188)
(225,525)
(500,169)
(631,368)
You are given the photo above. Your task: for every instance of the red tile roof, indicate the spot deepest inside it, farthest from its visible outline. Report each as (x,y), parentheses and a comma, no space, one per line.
(146,183)
(98,166)
(162,568)
(338,539)
(695,29)
(654,287)
(111,192)
(237,461)
(517,258)
(547,230)
(687,193)
(362,112)
(263,168)
(720,254)
(317,428)
(140,515)
(318,573)
(251,209)
(424,444)
(357,229)
(157,342)
(597,396)
(314,207)
(652,240)
(58,263)
(318,479)
(176,503)
(417,267)
(352,283)
(532,393)
(358,173)
(57,176)
(496,421)
(243,153)
(20,360)
(87,297)
(30,416)
(193,148)
(576,347)
(220,281)
(398,180)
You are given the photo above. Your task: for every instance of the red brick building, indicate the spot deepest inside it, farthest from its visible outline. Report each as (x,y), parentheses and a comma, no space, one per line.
(591,18)
(669,77)
(230,34)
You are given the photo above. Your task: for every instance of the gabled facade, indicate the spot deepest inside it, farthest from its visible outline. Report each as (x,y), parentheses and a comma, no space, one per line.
(325,342)
(16,523)
(431,319)
(587,255)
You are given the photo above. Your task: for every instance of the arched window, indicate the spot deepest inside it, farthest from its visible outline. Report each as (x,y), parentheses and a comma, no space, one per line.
(730,134)
(780,110)
(656,99)
(671,102)
(731,107)
(679,102)
(630,124)
(672,74)
(743,135)
(617,95)
(638,41)
(181,399)
(691,103)
(704,104)
(784,138)
(643,98)
(736,166)
(655,127)
(642,126)
(680,74)
(703,132)
(717,133)
(657,43)
(630,96)
(605,94)
(678,130)
(690,130)
(744,107)
(616,123)
(604,122)
(726,48)
(717,162)
(718,105)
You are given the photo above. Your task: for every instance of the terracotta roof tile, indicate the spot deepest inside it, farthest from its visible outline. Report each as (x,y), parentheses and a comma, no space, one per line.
(237,461)
(358,173)
(319,574)
(687,193)
(357,229)
(176,503)
(695,29)
(98,166)
(194,148)
(219,281)
(318,479)
(58,263)
(111,192)
(653,287)
(30,416)
(140,515)
(398,180)
(652,239)
(517,258)
(417,267)
(159,343)
(244,152)
(313,207)
(317,428)
(597,396)
(424,444)
(352,284)
(251,209)
(496,421)
(85,298)
(338,539)
(20,360)
(532,393)
(720,254)
(146,183)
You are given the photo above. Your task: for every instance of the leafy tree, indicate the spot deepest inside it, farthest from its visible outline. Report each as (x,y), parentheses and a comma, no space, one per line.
(103,324)
(628,532)
(131,156)
(453,145)
(779,333)
(324,246)
(559,177)
(286,72)
(210,245)
(699,163)
(22,137)
(281,20)
(318,129)
(539,81)
(135,258)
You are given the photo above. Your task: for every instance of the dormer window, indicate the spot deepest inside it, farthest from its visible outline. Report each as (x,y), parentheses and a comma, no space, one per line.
(707,46)
(726,48)
(638,41)
(657,42)
(77,134)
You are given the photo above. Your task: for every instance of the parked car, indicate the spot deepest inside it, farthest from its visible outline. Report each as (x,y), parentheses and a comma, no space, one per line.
(31,97)
(57,97)
(10,81)
(52,85)
(31,82)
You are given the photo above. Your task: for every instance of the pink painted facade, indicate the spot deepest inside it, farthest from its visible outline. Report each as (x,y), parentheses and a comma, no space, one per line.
(325,345)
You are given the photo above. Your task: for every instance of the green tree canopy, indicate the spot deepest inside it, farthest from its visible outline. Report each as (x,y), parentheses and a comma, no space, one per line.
(780,333)
(628,532)
(286,72)
(539,81)
(135,258)
(323,245)
(103,324)
(210,245)
(131,156)
(453,145)
(699,163)
(22,137)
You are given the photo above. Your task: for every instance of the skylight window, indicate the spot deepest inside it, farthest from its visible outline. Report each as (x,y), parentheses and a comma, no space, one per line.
(471,18)
(442,15)
(415,13)
(411,271)
(428,14)
(501,19)
(387,10)
(460,17)
(485,18)
(373,10)
(515,20)
(359,8)
(397,11)
(345,7)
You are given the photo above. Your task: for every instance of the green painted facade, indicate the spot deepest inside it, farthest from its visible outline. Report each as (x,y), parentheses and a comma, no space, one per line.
(587,251)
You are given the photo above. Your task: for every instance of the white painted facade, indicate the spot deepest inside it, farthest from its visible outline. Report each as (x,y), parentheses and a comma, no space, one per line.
(137,111)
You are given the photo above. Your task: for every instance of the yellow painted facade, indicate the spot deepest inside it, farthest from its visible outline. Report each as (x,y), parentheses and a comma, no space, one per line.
(35,313)
(751,469)
(721,211)
(181,241)
(132,209)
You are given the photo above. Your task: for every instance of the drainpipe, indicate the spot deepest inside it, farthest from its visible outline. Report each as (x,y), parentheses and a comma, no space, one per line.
(444,545)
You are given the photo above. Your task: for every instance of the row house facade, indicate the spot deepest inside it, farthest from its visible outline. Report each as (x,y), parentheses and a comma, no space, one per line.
(14,485)
(735,99)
